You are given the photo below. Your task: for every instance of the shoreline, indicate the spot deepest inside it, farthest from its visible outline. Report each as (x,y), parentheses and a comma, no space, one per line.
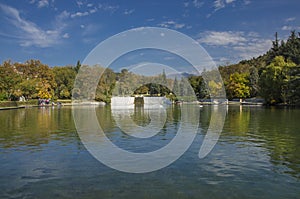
(229,103)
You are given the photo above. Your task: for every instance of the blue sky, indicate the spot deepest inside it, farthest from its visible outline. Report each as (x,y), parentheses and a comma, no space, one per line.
(60,32)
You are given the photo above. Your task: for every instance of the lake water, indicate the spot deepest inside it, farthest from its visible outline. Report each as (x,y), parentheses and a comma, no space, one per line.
(257,156)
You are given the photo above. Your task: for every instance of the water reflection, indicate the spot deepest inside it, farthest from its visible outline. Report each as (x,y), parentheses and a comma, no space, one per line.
(273,129)
(140,122)
(257,156)
(103,149)
(34,127)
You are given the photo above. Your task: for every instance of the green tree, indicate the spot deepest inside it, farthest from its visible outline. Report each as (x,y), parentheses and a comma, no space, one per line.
(214,88)
(291,49)
(77,67)
(9,80)
(183,87)
(64,78)
(294,85)
(28,88)
(163,90)
(253,81)
(105,86)
(33,72)
(176,88)
(274,81)
(142,90)
(198,86)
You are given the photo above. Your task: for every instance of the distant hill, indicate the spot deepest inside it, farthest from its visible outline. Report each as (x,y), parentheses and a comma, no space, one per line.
(289,49)
(275,75)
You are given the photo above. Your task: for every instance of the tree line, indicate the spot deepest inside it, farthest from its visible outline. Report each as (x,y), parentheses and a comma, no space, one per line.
(34,79)
(274,76)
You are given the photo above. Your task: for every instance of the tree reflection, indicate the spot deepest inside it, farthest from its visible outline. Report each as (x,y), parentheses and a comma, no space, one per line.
(35,126)
(275,129)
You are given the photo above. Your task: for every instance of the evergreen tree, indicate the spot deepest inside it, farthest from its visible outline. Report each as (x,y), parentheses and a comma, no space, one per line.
(253,81)
(294,85)
(77,67)
(176,88)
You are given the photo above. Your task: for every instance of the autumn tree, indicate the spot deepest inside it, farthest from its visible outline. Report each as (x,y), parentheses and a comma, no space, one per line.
(238,86)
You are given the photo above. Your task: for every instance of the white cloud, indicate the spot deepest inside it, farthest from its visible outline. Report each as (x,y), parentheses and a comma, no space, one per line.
(221,38)
(219,4)
(51,32)
(286,28)
(62,16)
(91,11)
(79,3)
(198,3)
(142,28)
(194,3)
(29,33)
(107,7)
(79,14)
(43,3)
(229,1)
(224,59)
(129,12)
(253,34)
(253,48)
(89,29)
(171,24)
(247,2)
(290,19)
(290,28)
(66,36)
(242,45)
(179,26)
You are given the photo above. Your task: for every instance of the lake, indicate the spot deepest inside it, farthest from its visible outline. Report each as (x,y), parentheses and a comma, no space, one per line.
(256,156)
